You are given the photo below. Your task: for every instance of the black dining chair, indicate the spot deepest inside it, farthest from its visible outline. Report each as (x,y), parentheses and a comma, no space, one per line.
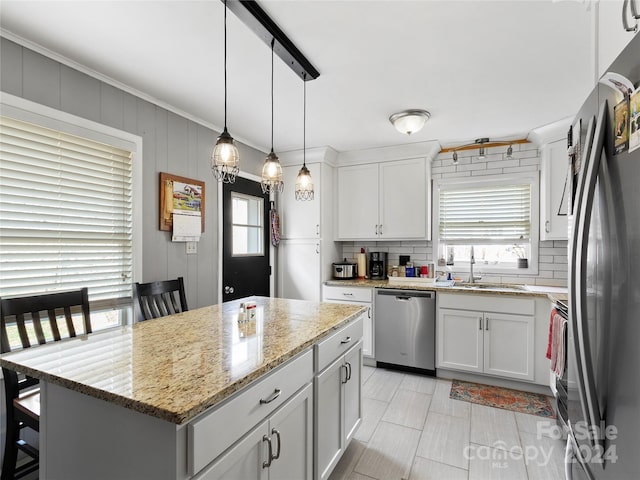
(158,299)
(26,322)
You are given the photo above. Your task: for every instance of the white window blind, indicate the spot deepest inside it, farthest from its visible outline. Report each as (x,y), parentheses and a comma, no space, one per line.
(65,214)
(485,215)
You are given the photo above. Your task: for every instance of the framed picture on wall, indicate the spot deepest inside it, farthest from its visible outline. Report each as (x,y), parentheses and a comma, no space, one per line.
(182,196)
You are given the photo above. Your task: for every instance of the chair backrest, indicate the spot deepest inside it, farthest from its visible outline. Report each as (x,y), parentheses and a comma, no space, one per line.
(158,299)
(37,319)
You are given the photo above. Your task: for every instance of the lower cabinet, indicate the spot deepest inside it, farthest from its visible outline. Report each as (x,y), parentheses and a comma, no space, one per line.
(278,448)
(338,409)
(358,296)
(488,342)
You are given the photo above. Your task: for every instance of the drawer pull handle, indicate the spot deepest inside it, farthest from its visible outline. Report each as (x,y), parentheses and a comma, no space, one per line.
(486,324)
(346,340)
(348,371)
(267,464)
(480,323)
(276,393)
(346,374)
(347,294)
(277,434)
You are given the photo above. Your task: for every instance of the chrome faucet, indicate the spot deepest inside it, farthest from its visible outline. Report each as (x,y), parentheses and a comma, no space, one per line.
(472,262)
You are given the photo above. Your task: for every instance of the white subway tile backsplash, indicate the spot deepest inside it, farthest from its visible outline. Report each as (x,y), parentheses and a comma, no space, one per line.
(528,168)
(491,171)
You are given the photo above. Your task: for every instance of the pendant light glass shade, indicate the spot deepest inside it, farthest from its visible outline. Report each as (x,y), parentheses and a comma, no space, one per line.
(225,158)
(272,170)
(304,182)
(272,174)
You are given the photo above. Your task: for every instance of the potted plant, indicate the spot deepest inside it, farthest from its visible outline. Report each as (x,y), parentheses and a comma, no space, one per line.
(523,261)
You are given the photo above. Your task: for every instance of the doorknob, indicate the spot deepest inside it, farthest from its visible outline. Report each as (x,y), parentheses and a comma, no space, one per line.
(228,289)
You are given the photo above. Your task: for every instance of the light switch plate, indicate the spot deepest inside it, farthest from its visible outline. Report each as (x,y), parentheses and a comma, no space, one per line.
(192,248)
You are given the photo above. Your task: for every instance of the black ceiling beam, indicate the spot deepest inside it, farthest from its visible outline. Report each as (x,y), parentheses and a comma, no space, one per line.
(254,17)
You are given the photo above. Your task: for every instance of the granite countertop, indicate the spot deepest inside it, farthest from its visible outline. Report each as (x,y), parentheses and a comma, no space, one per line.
(176,367)
(551,292)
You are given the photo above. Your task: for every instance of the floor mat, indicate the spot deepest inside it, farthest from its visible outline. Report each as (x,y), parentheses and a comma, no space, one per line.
(505,398)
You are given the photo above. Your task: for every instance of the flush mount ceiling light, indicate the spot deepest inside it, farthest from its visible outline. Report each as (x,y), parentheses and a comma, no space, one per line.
(409,121)
(225,157)
(304,182)
(272,170)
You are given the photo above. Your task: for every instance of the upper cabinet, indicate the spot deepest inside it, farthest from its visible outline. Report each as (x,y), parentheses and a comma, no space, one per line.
(300,219)
(384,201)
(554,192)
(612,37)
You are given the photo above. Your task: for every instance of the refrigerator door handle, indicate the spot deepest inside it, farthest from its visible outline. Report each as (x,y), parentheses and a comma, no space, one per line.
(568,459)
(583,349)
(625,20)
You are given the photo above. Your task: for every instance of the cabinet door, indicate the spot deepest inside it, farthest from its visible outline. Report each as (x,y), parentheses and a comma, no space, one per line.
(300,219)
(357,202)
(299,270)
(403,199)
(367,332)
(329,439)
(460,339)
(508,345)
(244,460)
(554,192)
(291,431)
(352,392)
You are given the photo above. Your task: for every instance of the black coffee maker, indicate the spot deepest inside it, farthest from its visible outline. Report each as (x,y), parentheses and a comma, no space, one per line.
(378,265)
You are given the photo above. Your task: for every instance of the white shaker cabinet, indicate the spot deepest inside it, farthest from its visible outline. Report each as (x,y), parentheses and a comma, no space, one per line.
(307,248)
(338,409)
(486,334)
(300,218)
(359,296)
(383,201)
(554,191)
(279,448)
(299,271)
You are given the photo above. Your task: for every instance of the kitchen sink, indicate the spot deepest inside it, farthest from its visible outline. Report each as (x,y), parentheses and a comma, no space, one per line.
(491,286)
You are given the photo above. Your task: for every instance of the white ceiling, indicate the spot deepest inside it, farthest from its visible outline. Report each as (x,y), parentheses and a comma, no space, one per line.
(483,69)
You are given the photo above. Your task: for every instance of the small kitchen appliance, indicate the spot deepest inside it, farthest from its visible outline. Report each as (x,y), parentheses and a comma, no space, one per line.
(345,270)
(378,265)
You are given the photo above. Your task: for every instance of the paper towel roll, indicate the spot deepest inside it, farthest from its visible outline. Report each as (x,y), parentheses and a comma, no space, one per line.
(362,264)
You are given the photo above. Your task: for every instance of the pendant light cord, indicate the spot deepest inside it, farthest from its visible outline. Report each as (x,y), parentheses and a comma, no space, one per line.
(273,41)
(304,120)
(225,64)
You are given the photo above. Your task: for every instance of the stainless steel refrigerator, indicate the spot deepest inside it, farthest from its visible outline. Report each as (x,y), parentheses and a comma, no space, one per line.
(604,279)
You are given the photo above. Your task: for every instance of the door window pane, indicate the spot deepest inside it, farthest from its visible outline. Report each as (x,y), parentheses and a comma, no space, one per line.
(248,227)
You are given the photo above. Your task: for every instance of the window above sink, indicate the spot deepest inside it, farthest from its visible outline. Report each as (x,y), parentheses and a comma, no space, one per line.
(497,216)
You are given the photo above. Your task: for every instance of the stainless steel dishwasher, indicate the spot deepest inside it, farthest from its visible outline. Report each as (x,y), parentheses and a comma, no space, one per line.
(405,329)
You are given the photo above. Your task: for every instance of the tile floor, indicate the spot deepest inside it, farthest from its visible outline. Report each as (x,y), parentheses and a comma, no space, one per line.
(412,430)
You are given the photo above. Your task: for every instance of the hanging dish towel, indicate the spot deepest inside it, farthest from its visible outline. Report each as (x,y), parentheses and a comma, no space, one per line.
(275,226)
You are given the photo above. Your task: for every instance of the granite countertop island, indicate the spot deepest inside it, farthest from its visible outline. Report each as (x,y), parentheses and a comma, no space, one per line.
(176,367)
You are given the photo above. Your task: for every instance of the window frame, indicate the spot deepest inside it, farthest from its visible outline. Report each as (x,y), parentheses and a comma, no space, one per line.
(462,266)
(259,226)
(28,111)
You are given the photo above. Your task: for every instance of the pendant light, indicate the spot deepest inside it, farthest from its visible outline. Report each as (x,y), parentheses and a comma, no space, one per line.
(272,170)
(225,157)
(304,182)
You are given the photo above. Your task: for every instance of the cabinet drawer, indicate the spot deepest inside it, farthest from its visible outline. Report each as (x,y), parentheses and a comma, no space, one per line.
(338,343)
(488,303)
(347,294)
(213,433)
